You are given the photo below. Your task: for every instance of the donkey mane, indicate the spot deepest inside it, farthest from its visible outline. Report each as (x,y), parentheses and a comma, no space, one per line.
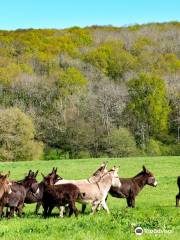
(139,174)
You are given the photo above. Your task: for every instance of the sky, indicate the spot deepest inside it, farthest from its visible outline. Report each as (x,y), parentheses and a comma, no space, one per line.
(60,14)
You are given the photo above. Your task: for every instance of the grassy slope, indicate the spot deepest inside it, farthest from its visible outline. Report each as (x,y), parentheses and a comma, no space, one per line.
(155,206)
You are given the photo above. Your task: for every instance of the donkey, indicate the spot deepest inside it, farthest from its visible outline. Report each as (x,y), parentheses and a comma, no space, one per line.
(93,179)
(37,197)
(15,200)
(5,189)
(96,193)
(178,195)
(59,195)
(132,186)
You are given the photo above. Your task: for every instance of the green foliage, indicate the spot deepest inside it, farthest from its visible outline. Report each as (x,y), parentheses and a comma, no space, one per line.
(121,143)
(153,148)
(148,105)
(17,137)
(140,45)
(71,81)
(112,59)
(54,154)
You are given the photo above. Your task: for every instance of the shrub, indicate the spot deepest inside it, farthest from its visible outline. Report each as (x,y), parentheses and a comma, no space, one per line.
(17,137)
(121,143)
(153,148)
(54,154)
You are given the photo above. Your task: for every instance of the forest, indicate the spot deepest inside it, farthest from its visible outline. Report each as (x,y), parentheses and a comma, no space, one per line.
(99,91)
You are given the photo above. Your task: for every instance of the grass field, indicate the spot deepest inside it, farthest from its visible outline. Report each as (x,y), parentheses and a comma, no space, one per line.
(155,207)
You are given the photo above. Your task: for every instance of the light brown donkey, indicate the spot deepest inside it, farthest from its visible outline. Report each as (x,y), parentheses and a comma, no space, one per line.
(96,193)
(96,176)
(93,179)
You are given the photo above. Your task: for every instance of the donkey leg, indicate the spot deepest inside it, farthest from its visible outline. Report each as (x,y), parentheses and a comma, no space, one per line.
(177,200)
(1,210)
(70,209)
(38,205)
(133,202)
(61,211)
(105,207)
(49,211)
(128,202)
(45,213)
(75,211)
(95,205)
(11,213)
(83,208)
(20,210)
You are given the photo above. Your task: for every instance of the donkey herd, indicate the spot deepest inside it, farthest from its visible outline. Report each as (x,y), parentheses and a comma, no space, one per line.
(54,191)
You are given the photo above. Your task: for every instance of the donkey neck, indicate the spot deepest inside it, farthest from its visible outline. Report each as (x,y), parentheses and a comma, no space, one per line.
(93,179)
(3,192)
(105,182)
(140,180)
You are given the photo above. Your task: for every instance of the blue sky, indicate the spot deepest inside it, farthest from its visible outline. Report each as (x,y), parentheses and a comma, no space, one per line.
(65,13)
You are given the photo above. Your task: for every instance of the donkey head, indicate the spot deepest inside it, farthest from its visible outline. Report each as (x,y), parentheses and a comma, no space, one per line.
(30,182)
(54,176)
(5,184)
(98,173)
(150,179)
(115,178)
(47,180)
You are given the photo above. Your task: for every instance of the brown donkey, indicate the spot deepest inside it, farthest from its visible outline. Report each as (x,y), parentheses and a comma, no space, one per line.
(132,186)
(59,195)
(178,195)
(15,200)
(5,190)
(37,198)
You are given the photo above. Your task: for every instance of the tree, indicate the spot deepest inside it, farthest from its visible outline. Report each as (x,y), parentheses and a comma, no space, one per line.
(148,107)
(121,143)
(17,141)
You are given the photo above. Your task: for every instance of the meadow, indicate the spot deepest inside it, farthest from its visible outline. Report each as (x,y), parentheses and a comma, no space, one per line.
(155,207)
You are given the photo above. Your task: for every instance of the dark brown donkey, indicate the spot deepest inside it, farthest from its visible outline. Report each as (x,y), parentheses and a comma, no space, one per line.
(15,200)
(178,195)
(37,197)
(132,186)
(59,195)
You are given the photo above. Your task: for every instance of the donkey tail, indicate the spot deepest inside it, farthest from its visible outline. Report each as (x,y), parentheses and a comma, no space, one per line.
(81,195)
(178,182)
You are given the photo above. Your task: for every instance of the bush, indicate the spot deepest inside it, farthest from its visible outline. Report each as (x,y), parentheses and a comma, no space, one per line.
(171,150)
(54,154)
(17,137)
(154,148)
(121,143)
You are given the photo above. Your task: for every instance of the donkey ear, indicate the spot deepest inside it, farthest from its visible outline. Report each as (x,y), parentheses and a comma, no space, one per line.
(103,164)
(30,173)
(117,169)
(35,175)
(43,175)
(8,174)
(144,168)
(55,170)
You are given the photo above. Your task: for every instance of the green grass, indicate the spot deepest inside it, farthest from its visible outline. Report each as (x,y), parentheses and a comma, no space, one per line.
(155,207)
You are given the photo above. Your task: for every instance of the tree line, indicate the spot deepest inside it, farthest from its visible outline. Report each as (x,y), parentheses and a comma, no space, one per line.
(90,92)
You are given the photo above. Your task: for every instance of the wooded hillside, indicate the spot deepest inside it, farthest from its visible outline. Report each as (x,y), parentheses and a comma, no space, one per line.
(95,91)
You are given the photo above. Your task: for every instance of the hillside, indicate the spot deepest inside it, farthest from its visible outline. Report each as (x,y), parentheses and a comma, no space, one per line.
(89,92)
